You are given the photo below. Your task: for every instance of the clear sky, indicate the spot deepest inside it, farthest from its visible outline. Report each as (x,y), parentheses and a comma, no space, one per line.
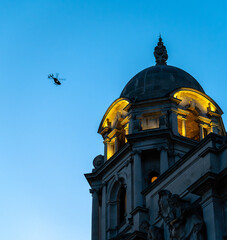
(48,133)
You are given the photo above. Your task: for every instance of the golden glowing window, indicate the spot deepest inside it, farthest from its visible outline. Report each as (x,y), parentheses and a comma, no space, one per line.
(188,126)
(153,179)
(192,127)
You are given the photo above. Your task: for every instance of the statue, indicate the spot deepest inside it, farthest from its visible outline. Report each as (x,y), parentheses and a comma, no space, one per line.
(184,220)
(160,53)
(98,161)
(155,233)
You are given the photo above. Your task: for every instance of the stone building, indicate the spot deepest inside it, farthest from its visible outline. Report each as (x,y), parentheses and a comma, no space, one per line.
(163,172)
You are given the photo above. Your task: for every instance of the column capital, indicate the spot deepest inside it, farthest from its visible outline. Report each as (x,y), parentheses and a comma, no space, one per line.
(107,140)
(116,176)
(128,161)
(213,124)
(136,152)
(165,148)
(104,183)
(94,190)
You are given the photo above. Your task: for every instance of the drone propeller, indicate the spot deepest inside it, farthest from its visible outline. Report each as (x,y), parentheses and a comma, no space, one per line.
(60,79)
(57,74)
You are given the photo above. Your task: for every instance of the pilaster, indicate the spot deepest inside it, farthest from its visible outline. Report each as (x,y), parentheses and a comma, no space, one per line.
(213,215)
(95,214)
(164,164)
(137,185)
(103,227)
(174,123)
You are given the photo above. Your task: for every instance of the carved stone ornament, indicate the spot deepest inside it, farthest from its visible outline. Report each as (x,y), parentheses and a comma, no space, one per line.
(184,220)
(98,161)
(153,232)
(160,53)
(163,121)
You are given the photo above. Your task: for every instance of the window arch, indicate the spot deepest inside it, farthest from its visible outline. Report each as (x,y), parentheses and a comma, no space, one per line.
(117,203)
(197,114)
(152,177)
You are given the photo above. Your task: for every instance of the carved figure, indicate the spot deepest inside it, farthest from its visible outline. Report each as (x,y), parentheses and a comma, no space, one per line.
(184,220)
(155,233)
(98,161)
(160,53)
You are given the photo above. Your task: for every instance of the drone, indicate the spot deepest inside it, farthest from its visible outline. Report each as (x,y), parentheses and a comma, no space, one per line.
(55,78)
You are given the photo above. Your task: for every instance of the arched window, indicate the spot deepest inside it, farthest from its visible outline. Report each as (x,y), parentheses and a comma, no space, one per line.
(122,203)
(152,177)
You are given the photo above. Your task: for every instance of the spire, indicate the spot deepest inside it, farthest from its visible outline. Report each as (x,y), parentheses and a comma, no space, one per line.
(160,53)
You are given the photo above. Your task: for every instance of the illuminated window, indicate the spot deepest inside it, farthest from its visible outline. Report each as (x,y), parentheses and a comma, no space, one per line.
(192,127)
(150,123)
(188,126)
(152,177)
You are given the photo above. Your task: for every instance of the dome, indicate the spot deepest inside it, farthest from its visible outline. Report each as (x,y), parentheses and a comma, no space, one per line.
(158,81)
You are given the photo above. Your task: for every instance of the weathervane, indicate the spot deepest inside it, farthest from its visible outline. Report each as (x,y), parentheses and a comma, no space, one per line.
(160,53)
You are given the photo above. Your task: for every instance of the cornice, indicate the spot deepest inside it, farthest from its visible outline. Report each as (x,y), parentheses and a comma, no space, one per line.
(211,137)
(111,162)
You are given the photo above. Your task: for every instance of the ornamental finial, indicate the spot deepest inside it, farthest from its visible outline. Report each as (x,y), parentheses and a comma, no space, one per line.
(160,53)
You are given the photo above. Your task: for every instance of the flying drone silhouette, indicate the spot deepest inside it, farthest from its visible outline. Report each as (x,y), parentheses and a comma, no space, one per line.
(55,78)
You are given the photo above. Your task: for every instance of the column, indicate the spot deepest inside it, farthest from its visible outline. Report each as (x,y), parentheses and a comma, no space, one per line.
(110,149)
(129,188)
(103,227)
(164,164)
(213,215)
(201,131)
(214,127)
(138,198)
(184,126)
(105,151)
(115,144)
(95,215)
(174,123)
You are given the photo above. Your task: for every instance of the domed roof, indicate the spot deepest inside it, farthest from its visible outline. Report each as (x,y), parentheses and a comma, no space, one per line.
(160,80)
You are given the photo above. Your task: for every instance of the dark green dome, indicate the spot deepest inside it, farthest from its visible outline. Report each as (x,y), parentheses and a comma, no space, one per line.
(158,81)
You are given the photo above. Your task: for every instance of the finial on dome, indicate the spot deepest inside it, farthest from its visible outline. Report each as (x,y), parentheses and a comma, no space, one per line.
(160,53)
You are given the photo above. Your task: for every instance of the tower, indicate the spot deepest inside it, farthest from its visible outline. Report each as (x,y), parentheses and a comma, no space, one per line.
(164,139)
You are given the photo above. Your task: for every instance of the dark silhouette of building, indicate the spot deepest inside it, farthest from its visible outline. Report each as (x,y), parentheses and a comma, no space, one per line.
(163,172)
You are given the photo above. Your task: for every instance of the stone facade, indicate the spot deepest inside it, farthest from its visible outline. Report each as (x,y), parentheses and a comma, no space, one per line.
(163,172)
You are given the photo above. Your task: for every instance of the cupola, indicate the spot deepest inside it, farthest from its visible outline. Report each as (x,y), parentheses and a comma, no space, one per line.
(160,97)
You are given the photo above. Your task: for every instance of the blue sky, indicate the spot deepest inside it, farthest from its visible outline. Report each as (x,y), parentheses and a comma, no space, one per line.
(48,134)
